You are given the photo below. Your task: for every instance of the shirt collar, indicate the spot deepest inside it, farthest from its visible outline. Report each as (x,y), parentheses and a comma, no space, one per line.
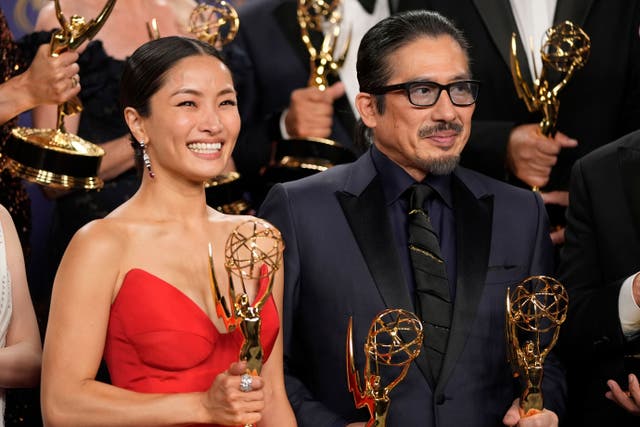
(395,180)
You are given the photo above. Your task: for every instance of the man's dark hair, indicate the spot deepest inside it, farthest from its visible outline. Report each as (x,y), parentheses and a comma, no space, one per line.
(374,68)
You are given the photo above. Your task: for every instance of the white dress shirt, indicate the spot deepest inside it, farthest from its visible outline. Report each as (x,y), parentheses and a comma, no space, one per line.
(533,18)
(628,310)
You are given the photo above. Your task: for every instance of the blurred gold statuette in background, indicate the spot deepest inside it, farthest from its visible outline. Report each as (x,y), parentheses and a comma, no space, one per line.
(565,49)
(298,157)
(53,157)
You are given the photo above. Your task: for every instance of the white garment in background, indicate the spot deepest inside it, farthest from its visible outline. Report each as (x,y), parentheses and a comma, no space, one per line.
(359,21)
(534,18)
(5,309)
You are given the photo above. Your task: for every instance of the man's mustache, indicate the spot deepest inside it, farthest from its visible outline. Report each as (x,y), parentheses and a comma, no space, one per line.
(427,131)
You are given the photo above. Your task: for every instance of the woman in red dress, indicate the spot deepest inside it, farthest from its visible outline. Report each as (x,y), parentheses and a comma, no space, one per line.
(135,285)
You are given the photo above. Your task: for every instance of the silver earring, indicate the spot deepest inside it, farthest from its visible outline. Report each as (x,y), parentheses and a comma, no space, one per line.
(146,159)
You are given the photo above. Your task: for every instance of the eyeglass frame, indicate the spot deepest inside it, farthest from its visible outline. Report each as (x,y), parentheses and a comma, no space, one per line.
(406,86)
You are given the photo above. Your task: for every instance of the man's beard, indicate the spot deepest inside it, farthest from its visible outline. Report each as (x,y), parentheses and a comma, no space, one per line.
(441,165)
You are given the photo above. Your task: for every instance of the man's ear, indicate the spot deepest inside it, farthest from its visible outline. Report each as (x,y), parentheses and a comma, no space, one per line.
(136,124)
(366,105)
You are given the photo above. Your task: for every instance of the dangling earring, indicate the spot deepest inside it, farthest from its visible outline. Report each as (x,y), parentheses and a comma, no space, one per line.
(146,159)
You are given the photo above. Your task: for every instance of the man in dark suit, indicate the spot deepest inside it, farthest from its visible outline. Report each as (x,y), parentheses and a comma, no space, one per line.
(600,103)
(600,262)
(347,252)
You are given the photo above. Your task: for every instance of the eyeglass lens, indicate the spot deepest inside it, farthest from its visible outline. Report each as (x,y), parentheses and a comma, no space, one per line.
(427,93)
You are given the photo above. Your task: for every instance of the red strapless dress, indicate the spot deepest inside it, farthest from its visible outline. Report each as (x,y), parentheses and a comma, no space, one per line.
(160,341)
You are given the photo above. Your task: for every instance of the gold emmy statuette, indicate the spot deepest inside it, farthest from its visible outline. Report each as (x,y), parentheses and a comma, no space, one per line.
(535,309)
(53,157)
(247,261)
(296,158)
(565,49)
(215,23)
(394,340)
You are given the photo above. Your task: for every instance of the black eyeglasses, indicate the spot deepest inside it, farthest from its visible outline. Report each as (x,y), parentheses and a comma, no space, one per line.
(425,94)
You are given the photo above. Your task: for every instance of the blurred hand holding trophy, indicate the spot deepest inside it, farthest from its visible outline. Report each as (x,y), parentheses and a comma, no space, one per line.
(302,156)
(565,49)
(394,340)
(253,254)
(535,309)
(52,157)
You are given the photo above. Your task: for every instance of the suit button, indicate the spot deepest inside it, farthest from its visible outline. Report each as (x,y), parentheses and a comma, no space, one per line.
(440,399)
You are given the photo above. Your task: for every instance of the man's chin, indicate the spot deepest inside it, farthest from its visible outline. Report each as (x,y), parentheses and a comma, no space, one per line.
(442,165)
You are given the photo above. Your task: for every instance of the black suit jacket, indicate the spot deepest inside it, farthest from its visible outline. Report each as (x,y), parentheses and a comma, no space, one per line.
(602,249)
(340,261)
(600,103)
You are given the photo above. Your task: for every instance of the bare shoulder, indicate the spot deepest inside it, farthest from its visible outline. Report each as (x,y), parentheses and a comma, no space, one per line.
(244,228)
(232,222)
(100,239)
(5,218)
(47,19)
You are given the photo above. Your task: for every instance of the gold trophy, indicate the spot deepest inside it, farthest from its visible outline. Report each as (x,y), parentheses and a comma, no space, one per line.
(296,158)
(565,49)
(535,310)
(394,340)
(247,261)
(217,24)
(53,157)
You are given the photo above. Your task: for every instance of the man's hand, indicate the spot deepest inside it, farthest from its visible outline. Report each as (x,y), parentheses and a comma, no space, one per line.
(531,155)
(544,418)
(629,401)
(560,198)
(356,425)
(311,111)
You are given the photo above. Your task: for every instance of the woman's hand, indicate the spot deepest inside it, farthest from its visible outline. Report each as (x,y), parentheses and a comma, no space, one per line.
(227,404)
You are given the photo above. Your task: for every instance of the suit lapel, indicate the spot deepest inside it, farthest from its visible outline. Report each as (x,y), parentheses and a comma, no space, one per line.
(500,24)
(629,159)
(370,225)
(473,242)
(575,11)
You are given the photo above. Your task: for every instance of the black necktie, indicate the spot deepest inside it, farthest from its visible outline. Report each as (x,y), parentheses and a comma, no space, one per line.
(433,299)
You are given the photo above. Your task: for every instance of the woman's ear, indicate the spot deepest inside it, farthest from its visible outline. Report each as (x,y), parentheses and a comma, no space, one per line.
(136,124)
(366,105)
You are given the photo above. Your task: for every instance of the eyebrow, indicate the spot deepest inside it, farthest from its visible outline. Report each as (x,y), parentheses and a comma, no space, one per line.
(465,76)
(189,91)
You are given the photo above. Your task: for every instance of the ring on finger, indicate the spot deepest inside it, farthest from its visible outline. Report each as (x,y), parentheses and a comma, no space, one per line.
(246,381)
(75,80)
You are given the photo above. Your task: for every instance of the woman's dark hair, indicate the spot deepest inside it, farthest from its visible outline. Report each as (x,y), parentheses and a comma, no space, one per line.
(145,70)
(374,68)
